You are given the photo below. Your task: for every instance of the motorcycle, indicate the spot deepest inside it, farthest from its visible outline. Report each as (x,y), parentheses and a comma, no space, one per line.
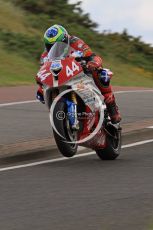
(78,114)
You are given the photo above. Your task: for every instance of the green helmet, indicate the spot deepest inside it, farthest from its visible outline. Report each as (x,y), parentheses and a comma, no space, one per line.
(54,34)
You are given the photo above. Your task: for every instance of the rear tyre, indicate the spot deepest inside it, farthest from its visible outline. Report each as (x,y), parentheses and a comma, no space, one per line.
(113,145)
(67,149)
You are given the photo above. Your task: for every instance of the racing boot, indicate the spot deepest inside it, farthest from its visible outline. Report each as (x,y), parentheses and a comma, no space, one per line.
(113,110)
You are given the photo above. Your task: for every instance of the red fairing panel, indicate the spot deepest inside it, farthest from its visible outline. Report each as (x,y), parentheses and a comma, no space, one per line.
(44,76)
(99,140)
(71,68)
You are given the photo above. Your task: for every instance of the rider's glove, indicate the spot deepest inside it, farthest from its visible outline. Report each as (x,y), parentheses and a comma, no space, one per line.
(44,58)
(77,54)
(92,66)
(40,97)
(95,64)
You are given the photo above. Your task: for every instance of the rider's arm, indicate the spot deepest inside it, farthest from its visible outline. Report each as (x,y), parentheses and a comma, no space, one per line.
(93,60)
(43,57)
(79,45)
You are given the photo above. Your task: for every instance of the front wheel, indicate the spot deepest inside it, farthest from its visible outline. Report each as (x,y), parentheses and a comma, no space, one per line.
(66,134)
(113,145)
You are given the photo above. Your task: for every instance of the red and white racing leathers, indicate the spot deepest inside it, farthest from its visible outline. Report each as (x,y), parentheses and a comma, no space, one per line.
(94,63)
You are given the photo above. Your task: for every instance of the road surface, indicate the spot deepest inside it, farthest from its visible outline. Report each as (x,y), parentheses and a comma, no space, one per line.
(82,193)
(79,193)
(31,121)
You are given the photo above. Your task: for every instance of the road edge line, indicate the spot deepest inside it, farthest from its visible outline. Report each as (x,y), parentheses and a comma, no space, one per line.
(64,158)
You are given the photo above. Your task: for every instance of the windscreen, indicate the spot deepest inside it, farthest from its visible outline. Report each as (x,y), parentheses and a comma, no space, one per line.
(59,50)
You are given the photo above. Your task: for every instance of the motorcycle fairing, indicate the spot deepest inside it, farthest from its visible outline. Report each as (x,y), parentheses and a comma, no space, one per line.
(70,68)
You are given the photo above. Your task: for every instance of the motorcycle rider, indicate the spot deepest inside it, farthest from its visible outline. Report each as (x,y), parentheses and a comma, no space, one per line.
(58,33)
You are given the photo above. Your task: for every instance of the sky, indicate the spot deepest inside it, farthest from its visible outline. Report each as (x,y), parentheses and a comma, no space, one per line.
(116,15)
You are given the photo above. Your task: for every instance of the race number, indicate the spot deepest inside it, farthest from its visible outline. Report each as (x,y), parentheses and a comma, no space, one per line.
(42,75)
(69,71)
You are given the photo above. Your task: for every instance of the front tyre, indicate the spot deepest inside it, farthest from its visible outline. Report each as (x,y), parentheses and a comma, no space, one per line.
(113,145)
(67,149)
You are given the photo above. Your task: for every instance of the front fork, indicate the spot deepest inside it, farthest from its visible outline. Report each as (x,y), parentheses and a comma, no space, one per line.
(72,111)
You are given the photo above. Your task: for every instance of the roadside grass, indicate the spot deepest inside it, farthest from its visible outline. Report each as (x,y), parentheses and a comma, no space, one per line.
(150,227)
(14,19)
(23,72)
(129,75)
(21,33)
(16,70)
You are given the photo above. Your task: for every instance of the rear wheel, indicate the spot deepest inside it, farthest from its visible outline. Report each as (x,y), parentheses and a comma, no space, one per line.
(113,144)
(67,135)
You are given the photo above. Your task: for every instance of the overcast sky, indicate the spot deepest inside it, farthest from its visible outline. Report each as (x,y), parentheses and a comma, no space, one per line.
(115,15)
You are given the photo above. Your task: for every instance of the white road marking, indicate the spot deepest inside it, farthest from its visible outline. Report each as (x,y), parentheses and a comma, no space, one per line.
(76,156)
(34,101)
(135,91)
(137,143)
(17,103)
(150,127)
(64,158)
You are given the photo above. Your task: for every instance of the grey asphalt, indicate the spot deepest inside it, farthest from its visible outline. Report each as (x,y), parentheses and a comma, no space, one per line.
(83,193)
(31,121)
(136,106)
